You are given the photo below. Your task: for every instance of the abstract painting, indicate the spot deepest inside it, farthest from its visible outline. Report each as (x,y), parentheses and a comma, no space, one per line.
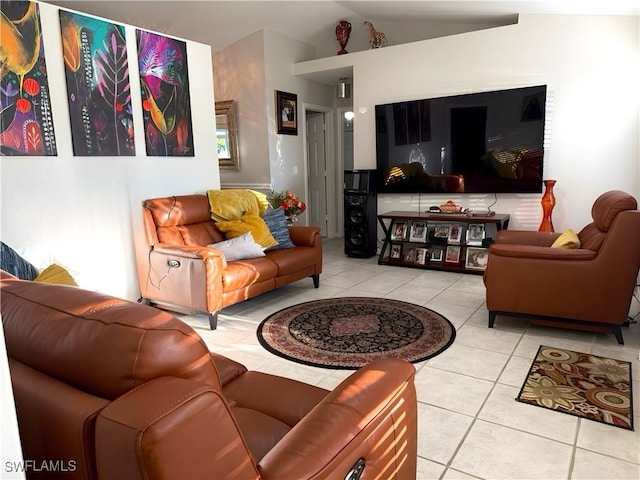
(166,106)
(98,89)
(26,124)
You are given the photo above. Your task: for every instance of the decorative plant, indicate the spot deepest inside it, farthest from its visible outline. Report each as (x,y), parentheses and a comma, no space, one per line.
(289,202)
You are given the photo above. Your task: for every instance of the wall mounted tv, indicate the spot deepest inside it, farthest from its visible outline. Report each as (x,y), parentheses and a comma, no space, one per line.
(487,142)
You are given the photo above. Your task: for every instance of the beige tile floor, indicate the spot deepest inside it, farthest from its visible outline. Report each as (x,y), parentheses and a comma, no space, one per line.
(470,426)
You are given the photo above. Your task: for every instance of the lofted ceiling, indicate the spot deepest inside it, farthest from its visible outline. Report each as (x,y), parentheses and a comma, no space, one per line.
(221,23)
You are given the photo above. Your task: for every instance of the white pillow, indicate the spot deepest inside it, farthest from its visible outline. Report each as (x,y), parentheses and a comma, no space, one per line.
(239,248)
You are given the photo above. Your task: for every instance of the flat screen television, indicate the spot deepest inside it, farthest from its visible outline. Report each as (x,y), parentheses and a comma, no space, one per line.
(487,142)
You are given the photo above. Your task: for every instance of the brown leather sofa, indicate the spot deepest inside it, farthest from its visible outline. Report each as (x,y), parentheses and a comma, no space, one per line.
(588,288)
(180,271)
(110,389)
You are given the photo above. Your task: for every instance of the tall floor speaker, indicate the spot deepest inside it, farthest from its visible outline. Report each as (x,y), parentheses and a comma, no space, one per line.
(360,230)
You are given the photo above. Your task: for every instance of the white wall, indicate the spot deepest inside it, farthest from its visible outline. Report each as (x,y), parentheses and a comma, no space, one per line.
(79,211)
(592,67)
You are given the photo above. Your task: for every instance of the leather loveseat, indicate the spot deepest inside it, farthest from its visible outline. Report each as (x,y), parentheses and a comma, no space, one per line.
(180,270)
(109,389)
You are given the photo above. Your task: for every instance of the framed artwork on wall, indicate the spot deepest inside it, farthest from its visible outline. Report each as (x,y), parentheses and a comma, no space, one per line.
(286,113)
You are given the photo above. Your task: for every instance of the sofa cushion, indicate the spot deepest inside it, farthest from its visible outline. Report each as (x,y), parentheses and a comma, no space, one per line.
(568,239)
(14,264)
(239,248)
(232,204)
(277,224)
(249,222)
(55,273)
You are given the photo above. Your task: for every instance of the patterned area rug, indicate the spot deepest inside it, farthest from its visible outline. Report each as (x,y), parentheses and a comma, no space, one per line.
(581,384)
(348,332)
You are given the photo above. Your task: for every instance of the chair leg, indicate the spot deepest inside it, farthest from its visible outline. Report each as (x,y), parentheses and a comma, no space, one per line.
(617,331)
(316,280)
(213,320)
(492,318)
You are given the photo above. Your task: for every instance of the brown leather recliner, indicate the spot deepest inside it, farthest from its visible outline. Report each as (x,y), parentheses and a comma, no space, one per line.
(588,288)
(180,270)
(106,388)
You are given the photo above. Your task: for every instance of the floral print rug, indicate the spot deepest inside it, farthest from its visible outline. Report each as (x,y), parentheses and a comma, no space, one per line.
(348,332)
(581,384)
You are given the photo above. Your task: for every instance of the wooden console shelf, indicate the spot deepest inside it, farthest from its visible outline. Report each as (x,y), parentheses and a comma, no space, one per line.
(437,240)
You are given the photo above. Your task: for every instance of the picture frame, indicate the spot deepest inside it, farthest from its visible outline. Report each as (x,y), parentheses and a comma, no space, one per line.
(452,254)
(455,234)
(227,135)
(396,251)
(410,255)
(441,230)
(422,255)
(475,233)
(476,258)
(286,113)
(399,231)
(418,232)
(435,254)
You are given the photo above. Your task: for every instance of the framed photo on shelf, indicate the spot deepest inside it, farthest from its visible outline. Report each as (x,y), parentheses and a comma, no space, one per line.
(455,233)
(287,113)
(410,255)
(435,254)
(399,231)
(441,231)
(418,232)
(453,254)
(422,255)
(476,258)
(396,251)
(475,233)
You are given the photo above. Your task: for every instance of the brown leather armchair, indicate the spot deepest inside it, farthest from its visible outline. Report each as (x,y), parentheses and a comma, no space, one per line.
(109,389)
(179,270)
(588,288)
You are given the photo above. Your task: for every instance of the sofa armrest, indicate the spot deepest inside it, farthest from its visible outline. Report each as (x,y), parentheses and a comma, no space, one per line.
(305,236)
(372,415)
(548,253)
(171,428)
(184,275)
(526,237)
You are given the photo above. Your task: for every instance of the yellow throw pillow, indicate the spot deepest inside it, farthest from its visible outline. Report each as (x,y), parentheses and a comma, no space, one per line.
(250,222)
(54,273)
(232,204)
(568,239)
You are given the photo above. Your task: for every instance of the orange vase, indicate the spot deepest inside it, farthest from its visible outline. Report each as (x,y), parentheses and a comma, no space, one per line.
(548,202)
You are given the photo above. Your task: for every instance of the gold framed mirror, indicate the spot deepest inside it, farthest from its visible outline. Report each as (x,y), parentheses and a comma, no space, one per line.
(227,135)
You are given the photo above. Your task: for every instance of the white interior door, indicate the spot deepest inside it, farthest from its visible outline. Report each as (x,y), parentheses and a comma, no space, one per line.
(317,208)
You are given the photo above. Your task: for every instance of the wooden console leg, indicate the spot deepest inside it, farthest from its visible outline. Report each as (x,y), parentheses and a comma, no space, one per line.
(316,280)
(492,318)
(213,320)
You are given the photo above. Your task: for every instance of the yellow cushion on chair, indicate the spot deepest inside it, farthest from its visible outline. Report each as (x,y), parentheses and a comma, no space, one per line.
(233,203)
(249,222)
(568,239)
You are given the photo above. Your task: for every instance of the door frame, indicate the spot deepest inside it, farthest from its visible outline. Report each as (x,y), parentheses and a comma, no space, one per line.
(332,208)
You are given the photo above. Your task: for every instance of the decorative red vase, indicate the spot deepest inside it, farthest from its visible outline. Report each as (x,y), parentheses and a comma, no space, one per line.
(548,202)
(343,31)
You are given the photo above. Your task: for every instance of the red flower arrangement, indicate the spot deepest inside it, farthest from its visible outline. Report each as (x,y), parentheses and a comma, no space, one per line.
(289,202)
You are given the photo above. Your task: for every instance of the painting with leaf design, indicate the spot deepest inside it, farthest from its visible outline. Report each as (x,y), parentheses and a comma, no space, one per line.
(164,81)
(98,89)
(26,123)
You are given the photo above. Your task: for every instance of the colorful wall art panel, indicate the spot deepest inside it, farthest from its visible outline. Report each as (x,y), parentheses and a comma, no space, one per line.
(98,89)
(26,125)
(164,81)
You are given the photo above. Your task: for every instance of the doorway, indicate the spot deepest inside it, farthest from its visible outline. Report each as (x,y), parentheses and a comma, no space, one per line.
(320,165)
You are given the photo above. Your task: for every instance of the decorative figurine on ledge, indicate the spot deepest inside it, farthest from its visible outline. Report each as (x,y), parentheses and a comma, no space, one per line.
(376,39)
(343,31)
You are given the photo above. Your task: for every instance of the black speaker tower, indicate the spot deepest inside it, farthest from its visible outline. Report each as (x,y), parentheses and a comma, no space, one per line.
(360,214)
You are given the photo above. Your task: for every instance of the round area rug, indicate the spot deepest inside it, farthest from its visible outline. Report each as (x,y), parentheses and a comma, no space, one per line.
(349,332)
